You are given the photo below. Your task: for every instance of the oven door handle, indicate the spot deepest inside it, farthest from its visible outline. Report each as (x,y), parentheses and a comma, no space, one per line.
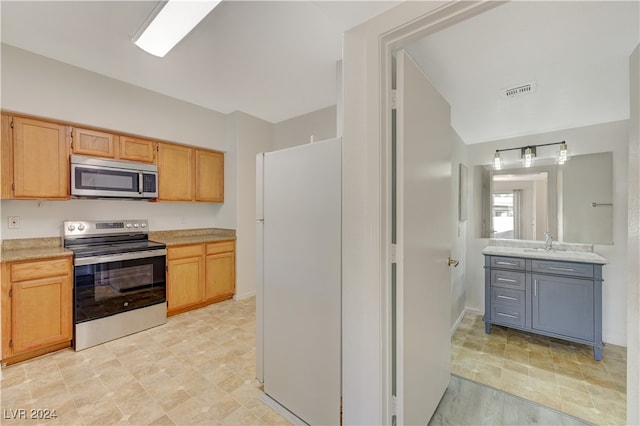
(93,260)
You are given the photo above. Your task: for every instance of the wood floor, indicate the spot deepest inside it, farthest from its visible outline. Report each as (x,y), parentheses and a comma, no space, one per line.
(469,403)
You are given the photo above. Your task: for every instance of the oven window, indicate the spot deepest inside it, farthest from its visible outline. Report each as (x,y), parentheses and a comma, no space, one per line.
(109,288)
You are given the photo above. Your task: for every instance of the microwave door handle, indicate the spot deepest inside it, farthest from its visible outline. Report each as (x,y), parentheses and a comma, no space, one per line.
(140,183)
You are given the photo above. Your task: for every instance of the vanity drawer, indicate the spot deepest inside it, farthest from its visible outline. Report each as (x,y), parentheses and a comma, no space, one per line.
(507,279)
(507,314)
(505,296)
(573,269)
(507,262)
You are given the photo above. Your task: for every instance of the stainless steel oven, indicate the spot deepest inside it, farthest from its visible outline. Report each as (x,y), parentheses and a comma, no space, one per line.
(119,279)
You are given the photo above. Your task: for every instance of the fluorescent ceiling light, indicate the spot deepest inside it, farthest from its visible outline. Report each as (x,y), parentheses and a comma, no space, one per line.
(169,22)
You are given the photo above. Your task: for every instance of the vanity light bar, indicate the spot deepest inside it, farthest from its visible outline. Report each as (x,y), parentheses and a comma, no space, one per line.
(528,154)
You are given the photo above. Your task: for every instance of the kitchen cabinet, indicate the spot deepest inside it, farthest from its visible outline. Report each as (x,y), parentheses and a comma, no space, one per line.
(190,174)
(199,275)
(209,176)
(185,277)
(35,159)
(136,149)
(554,298)
(220,282)
(93,142)
(175,172)
(36,307)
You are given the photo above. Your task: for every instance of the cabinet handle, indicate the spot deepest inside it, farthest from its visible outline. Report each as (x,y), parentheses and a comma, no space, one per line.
(506,297)
(507,280)
(506,263)
(507,315)
(535,288)
(557,268)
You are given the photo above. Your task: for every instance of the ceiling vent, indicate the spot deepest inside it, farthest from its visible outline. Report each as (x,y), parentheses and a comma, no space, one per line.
(519,90)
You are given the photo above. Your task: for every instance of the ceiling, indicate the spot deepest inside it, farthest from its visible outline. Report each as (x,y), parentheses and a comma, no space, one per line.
(277,59)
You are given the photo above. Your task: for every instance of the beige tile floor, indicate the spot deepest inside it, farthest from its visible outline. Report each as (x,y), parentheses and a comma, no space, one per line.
(555,373)
(199,368)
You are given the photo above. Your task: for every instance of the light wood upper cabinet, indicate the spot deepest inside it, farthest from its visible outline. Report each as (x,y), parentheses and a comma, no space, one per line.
(93,142)
(36,307)
(40,166)
(175,172)
(209,176)
(6,158)
(135,149)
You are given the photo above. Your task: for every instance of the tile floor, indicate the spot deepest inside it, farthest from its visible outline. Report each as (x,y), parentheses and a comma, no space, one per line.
(558,374)
(199,368)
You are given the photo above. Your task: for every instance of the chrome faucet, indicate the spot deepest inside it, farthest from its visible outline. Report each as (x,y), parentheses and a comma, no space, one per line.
(548,242)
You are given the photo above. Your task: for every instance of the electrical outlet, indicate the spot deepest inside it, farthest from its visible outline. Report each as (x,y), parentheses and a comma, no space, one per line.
(14,222)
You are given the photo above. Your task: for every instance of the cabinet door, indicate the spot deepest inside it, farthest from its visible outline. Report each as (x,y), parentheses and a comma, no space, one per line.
(137,149)
(40,159)
(184,282)
(209,176)
(40,313)
(6,158)
(220,276)
(563,306)
(175,173)
(92,142)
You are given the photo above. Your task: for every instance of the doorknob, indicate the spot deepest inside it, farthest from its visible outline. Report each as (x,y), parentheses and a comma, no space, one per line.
(452,262)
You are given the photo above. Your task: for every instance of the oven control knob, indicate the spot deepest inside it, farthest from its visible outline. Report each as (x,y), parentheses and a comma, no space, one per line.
(135,225)
(71,227)
(128,225)
(81,227)
(143,225)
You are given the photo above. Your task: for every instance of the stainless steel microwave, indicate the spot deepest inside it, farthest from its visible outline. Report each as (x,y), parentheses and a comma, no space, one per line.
(102,178)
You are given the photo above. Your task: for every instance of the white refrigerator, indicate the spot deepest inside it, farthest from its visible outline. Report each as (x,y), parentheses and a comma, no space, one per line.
(298,297)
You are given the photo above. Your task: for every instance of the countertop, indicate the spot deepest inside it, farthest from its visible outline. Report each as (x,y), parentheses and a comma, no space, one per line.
(535,253)
(192,236)
(32,249)
(41,248)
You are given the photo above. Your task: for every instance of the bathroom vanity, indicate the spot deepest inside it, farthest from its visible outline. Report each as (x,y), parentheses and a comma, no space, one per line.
(556,293)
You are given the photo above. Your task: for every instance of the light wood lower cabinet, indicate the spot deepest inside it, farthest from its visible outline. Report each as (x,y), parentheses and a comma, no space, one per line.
(199,274)
(36,307)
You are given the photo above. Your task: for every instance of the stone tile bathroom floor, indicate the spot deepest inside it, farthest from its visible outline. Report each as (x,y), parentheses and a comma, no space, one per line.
(555,373)
(199,368)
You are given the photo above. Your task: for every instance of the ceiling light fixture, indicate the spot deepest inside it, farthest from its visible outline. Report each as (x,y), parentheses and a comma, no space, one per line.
(170,22)
(528,154)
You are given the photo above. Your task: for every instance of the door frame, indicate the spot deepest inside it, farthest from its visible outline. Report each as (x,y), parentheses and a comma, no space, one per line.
(394,40)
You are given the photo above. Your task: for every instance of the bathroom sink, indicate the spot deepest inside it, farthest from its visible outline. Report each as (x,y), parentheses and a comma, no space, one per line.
(540,250)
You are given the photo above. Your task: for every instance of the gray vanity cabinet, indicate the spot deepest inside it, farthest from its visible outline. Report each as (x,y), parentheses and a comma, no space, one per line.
(549,297)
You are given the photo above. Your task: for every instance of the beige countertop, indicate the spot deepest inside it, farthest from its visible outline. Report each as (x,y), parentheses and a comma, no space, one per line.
(31,249)
(40,248)
(192,236)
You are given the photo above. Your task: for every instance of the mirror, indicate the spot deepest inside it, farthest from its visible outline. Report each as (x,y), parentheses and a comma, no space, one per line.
(573,201)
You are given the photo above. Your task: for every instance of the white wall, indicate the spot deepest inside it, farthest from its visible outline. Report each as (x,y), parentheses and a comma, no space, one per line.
(252,136)
(582,140)
(320,125)
(35,85)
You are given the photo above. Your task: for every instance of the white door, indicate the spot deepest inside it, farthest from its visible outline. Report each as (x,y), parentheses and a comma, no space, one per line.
(423,225)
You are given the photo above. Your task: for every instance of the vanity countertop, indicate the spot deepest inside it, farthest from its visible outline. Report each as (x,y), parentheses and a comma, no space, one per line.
(541,253)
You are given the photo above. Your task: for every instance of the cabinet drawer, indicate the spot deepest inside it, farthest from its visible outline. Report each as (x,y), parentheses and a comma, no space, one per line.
(185,251)
(507,263)
(562,268)
(505,296)
(507,279)
(221,247)
(40,269)
(507,314)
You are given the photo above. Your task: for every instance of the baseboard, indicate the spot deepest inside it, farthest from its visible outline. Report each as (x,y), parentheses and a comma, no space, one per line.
(283,411)
(247,295)
(465,311)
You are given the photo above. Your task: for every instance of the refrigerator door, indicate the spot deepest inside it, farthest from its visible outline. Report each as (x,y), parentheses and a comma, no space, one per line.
(302,280)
